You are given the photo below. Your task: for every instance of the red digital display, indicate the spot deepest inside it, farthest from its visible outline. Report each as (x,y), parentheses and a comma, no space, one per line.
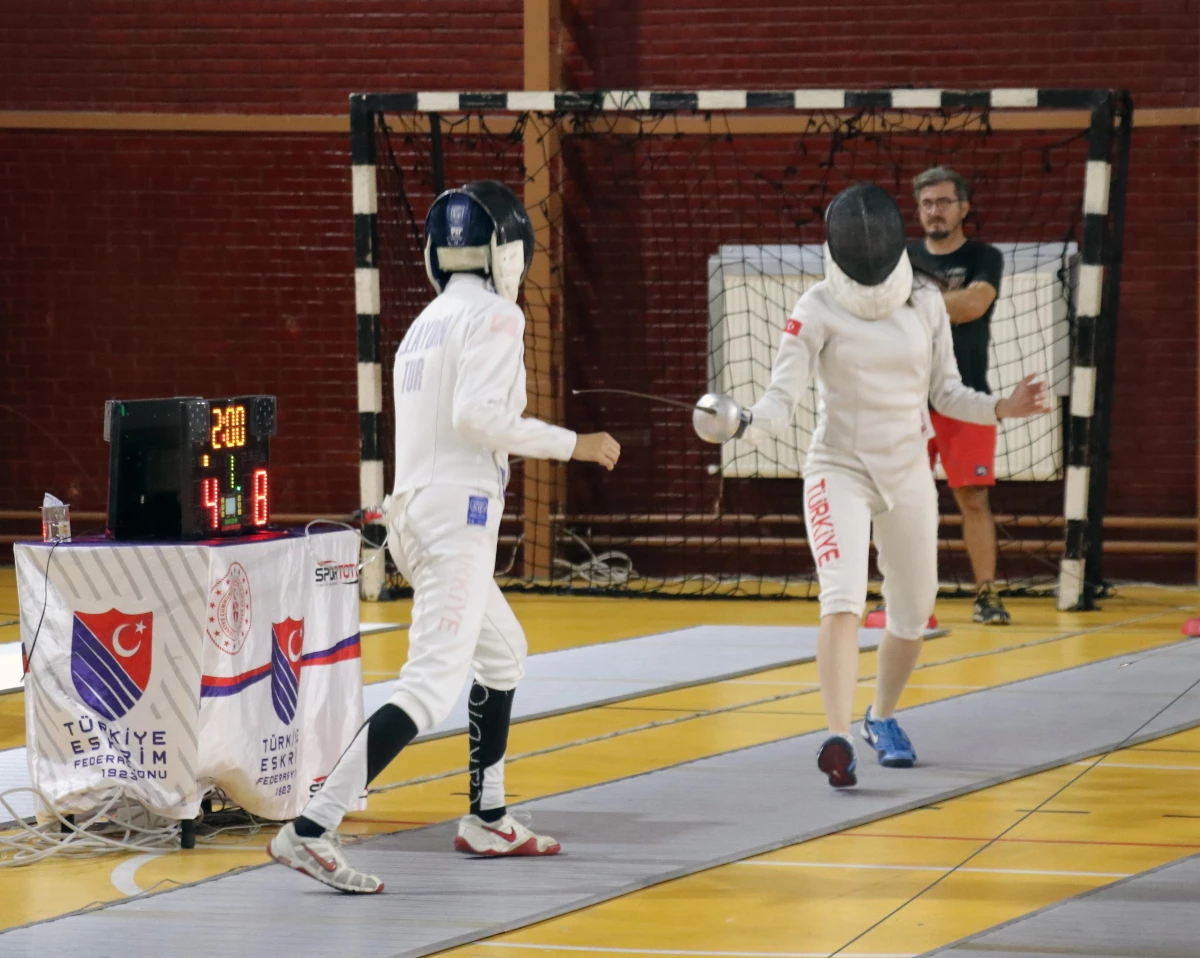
(210,490)
(232,456)
(260,497)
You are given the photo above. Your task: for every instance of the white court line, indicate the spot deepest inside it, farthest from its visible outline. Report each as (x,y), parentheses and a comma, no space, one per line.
(1169,768)
(865,683)
(945,869)
(705,954)
(123,875)
(920,685)
(12,668)
(870,683)
(801,685)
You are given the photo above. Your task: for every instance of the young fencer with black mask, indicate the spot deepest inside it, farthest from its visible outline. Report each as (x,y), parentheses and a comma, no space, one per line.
(878,341)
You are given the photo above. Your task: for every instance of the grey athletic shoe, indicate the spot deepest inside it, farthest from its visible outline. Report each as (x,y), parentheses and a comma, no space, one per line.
(989,610)
(323,859)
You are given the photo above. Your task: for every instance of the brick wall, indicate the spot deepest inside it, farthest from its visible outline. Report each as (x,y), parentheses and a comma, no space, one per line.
(1153,467)
(137,263)
(1149,46)
(256,56)
(169,264)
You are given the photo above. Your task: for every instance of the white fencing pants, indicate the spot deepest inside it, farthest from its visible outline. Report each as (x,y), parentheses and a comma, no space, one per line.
(461,619)
(443,540)
(840,506)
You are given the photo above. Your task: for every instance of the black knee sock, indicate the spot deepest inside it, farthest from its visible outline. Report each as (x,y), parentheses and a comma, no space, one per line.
(389,729)
(489,713)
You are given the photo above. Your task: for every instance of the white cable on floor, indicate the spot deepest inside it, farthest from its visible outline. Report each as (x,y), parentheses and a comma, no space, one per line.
(122,824)
(605,569)
(118,825)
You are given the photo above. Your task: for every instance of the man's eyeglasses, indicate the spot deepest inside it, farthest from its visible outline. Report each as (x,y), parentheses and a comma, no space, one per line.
(941,205)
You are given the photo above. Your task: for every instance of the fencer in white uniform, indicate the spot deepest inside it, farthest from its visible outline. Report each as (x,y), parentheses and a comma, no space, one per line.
(879,345)
(459,394)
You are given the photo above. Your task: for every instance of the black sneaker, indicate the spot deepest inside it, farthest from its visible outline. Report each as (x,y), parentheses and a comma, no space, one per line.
(989,610)
(838,761)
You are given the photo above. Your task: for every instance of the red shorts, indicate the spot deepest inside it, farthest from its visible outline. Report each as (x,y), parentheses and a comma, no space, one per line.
(968,451)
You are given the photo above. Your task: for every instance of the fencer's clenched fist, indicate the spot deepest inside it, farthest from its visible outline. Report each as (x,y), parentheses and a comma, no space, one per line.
(1027,399)
(717,418)
(597,447)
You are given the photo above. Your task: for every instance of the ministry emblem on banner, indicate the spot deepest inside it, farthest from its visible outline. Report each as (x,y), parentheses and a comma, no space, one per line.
(227,623)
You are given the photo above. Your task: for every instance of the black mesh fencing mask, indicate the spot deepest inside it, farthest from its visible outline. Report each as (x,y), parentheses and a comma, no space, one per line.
(865,233)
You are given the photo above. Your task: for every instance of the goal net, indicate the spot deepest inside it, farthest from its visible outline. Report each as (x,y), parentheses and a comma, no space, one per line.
(673,238)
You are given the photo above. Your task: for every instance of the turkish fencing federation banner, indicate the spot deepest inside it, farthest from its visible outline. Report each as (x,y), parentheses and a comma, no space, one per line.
(162,670)
(113,691)
(281,694)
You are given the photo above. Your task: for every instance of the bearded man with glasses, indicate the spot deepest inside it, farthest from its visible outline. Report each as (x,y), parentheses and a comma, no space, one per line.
(968,272)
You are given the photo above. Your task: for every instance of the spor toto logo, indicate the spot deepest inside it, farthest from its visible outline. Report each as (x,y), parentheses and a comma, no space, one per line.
(229,612)
(329,572)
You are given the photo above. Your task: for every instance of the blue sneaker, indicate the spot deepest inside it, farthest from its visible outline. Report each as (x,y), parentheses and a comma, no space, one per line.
(894,748)
(838,761)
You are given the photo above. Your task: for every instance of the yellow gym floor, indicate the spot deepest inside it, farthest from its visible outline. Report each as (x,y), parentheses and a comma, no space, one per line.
(1135,811)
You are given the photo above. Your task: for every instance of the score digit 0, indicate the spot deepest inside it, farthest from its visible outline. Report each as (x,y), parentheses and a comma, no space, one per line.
(235,426)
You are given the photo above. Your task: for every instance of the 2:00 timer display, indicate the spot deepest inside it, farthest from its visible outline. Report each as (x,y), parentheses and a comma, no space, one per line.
(233,488)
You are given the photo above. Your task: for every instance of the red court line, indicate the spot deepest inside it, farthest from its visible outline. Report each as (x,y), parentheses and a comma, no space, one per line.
(1018,841)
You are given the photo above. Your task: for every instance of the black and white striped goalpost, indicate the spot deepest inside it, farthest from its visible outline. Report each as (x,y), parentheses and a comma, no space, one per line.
(1095,331)
(370,366)
(1094,303)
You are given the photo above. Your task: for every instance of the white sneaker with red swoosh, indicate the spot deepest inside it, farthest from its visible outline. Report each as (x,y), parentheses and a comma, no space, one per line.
(505,837)
(323,859)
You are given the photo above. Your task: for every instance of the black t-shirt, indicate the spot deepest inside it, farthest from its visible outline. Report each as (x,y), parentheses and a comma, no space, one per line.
(971,262)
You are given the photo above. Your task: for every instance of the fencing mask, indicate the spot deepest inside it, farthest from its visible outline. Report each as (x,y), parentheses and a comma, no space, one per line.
(482,228)
(866,263)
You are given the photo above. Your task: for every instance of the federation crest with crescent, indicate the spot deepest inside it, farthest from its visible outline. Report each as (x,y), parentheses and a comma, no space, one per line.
(111,671)
(229,611)
(287,652)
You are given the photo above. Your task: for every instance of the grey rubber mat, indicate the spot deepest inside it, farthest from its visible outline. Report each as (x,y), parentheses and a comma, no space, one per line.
(586,676)
(1152,915)
(570,680)
(635,832)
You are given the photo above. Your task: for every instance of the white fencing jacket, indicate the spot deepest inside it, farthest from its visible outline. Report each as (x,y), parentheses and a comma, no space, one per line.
(459,385)
(875,378)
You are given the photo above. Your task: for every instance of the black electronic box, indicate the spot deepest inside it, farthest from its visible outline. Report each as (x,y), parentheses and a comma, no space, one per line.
(188,468)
